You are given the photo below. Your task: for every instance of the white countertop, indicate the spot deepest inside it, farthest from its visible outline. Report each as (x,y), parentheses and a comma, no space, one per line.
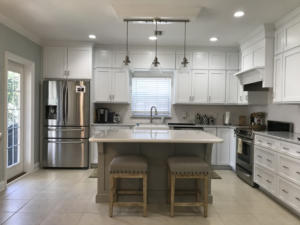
(155,136)
(283,136)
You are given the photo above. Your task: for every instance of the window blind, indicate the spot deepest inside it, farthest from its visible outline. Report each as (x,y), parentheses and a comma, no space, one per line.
(151,91)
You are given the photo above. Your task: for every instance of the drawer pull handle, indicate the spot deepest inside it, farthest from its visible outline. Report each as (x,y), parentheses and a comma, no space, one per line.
(298,199)
(269,160)
(285,167)
(258,175)
(269,181)
(285,191)
(298,152)
(298,172)
(269,143)
(285,148)
(259,141)
(259,156)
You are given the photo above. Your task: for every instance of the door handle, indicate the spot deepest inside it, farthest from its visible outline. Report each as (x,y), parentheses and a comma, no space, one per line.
(66,142)
(269,181)
(65,129)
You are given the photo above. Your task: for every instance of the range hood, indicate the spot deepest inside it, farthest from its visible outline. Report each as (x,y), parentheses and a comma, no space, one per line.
(252,79)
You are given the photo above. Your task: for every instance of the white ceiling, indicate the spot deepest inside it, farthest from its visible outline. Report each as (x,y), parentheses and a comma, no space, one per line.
(75,19)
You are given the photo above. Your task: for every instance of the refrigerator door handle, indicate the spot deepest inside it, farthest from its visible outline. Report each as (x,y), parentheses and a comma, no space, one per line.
(66,142)
(64,104)
(67,102)
(65,129)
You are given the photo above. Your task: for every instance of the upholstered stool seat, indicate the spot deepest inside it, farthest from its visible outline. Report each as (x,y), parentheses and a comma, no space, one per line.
(129,167)
(188,167)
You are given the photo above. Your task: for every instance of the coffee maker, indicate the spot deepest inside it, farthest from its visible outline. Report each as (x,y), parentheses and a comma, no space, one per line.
(101,115)
(258,121)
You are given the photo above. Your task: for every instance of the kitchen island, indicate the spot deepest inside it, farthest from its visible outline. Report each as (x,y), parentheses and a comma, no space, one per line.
(156,146)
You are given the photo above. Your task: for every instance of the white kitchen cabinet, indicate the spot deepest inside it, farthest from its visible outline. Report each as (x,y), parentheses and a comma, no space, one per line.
(111,86)
(278,79)
(223,149)
(179,58)
(103,58)
(71,63)
(200,60)
(232,87)
(118,59)
(291,78)
(199,86)
(217,86)
(292,31)
(167,60)
(232,152)
(55,62)
(142,59)
(232,61)
(183,86)
(217,60)
(214,149)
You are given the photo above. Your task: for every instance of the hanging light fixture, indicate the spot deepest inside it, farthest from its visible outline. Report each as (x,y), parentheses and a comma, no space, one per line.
(155,62)
(126,61)
(184,62)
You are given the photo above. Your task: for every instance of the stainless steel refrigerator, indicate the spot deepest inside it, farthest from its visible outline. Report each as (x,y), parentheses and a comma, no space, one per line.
(66,123)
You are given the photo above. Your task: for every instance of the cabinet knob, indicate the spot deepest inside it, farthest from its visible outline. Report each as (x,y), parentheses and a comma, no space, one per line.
(285,191)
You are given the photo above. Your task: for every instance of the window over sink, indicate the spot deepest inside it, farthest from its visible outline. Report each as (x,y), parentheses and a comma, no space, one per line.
(151,91)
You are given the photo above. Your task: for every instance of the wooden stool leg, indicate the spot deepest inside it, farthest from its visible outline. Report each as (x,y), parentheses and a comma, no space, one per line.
(169,188)
(172,195)
(145,194)
(198,190)
(111,195)
(115,190)
(205,195)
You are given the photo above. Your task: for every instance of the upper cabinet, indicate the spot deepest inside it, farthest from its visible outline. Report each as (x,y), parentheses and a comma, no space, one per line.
(217,86)
(200,60)
(232,87)
(232,61)
(217,60)
(286,60)
(71,63)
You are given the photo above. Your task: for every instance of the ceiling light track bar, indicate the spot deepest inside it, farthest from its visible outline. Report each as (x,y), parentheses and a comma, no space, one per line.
(158,20)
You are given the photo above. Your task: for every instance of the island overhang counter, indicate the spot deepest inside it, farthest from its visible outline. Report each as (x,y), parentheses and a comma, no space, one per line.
(156,146)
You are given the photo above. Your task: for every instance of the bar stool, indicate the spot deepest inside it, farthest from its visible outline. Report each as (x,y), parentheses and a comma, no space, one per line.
(129,167)
(187,167)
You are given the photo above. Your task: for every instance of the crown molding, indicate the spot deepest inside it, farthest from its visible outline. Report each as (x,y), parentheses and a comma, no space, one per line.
(19,29)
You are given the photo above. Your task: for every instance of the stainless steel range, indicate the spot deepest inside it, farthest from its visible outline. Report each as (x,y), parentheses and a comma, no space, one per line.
(245,148)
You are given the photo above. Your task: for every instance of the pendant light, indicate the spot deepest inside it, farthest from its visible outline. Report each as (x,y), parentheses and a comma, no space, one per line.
(184,62)
(126,61)
(155,62)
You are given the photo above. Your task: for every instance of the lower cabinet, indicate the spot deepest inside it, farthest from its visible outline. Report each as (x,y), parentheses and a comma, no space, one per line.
(277,171)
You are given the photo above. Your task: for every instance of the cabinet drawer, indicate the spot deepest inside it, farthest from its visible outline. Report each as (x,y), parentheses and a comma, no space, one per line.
(289,168)
(265,158)
(266,142)
(265,178)
(290,149)
(289,193)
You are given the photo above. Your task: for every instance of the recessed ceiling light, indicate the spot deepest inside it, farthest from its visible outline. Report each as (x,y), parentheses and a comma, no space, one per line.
(238,14)
(92,36)
(152,38)
(213,39)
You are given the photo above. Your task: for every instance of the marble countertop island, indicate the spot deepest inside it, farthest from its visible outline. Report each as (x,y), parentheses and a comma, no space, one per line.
(154,136)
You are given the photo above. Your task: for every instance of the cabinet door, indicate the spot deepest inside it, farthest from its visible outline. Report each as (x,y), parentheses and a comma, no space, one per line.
(247,61)
(214,149)
(277,90)
(102,85)
(141,60)
(80,63)
(167,60)
(232,61)
(183,87)
(55,62)
(120,86)
(232,151)
(217,86)
(200,60)
(223,149)
(291,78)
(179,58)
(118,59)
(232,87)
(293,34)
(199,86)
(103,58)
(217,60)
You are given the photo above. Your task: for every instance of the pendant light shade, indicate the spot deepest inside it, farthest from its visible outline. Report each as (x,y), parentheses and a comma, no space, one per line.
(155,62)
(184,62)
(126,61)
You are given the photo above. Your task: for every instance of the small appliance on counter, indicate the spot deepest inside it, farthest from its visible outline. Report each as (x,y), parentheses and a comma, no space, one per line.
(102,115)
(258,121)
(117,118)
(204,119)
(226,118)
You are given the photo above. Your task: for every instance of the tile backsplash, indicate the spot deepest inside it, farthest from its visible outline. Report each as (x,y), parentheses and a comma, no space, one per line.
(182,113)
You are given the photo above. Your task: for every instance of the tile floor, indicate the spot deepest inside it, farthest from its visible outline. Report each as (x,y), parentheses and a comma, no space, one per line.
(66,197)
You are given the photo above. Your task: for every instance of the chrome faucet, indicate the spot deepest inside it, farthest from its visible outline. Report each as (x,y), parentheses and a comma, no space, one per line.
(151,114)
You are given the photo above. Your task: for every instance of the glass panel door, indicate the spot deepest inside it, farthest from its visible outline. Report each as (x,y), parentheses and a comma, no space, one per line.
(14,120)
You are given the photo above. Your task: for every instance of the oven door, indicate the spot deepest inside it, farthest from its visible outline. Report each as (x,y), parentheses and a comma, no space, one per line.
(244,153)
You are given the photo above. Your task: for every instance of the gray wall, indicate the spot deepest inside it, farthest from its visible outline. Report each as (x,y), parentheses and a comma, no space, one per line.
(13,42)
